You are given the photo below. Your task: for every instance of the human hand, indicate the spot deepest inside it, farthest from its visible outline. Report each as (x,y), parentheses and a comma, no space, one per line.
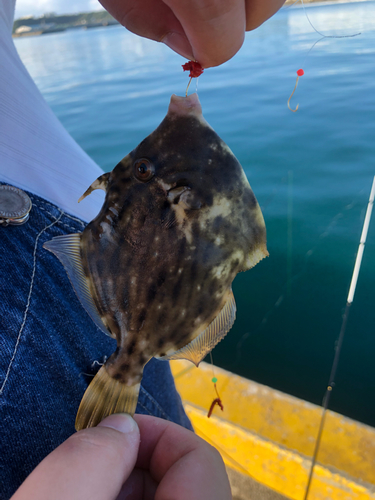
(120,460)
(208,31)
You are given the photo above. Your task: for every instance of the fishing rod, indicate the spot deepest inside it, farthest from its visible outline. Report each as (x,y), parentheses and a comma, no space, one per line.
(353,284)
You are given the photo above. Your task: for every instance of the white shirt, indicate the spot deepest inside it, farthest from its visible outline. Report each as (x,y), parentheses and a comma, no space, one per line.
(36,152)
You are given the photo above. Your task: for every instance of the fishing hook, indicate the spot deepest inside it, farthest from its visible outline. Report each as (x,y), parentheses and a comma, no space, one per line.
(187,88)
(300,72)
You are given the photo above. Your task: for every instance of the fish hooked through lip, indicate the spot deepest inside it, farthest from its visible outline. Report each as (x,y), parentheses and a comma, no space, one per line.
(178,223)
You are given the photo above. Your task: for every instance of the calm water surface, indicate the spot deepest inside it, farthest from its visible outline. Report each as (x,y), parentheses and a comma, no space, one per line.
(311,172)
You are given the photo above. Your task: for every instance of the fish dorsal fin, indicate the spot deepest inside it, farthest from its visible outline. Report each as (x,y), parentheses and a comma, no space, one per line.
(67,249)
(100,183)
(198,348)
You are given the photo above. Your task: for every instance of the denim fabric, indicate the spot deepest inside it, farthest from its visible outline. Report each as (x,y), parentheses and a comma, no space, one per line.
(50,349)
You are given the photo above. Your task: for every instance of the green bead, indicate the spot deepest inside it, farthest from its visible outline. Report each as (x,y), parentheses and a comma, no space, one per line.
(214,380)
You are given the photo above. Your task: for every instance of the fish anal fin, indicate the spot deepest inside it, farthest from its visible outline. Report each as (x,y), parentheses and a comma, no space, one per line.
(198,348)
(103,397)
(100,183)
(68,250)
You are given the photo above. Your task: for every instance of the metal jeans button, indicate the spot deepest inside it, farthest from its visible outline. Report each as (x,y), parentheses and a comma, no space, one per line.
(15,206)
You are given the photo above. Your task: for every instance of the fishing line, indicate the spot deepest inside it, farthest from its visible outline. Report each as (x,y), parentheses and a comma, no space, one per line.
(291,5)
(294,278)
(212,365)
(289,259)
(96,362)
(93,365)
(301,72)
(349,301)
(187,88)
(321,34)
(216,401)
(274,192)
(223,453)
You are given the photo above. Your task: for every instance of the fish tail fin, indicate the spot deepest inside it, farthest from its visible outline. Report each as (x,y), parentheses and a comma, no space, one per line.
(103,397)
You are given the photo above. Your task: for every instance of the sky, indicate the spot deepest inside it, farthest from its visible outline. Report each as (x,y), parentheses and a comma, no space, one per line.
(39,7)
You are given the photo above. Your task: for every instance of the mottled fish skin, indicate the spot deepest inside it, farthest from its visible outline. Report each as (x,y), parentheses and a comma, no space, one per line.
(161,255)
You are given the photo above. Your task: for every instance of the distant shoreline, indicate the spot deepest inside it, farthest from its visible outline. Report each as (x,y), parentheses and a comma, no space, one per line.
(35,26)
(53,23)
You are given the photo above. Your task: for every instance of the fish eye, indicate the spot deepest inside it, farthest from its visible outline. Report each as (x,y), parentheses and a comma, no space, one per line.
(144,169)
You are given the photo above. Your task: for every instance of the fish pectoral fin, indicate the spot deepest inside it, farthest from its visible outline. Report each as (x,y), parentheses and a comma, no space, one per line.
(170,221)
(100,183)
(67,249)
(103,397)
(198,348)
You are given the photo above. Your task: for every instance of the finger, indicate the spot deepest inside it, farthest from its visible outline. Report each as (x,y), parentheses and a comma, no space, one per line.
(258,11)
(209,31)
(139,485)
(214,28)
(151,19)
(93,463)
(180,462)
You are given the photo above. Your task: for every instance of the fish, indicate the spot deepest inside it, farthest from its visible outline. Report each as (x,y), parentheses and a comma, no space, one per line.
(154,269)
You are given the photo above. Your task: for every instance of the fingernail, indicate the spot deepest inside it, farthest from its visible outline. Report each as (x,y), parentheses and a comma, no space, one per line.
(121,422)
(179,43)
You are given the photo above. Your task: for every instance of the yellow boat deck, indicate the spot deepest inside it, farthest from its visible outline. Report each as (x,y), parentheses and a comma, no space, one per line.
(267,439)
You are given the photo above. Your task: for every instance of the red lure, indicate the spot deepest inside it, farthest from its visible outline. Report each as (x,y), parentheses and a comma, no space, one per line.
(194,67)
(216,401)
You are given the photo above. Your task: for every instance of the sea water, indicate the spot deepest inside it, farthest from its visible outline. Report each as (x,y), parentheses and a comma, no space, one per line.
(311,172)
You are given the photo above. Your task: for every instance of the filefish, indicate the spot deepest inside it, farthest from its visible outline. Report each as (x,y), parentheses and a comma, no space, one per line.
(154,269)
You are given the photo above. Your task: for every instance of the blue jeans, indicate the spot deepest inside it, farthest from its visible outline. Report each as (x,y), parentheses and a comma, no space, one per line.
(50,349)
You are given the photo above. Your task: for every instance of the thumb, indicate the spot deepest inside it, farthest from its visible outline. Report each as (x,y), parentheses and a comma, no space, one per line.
(92,464)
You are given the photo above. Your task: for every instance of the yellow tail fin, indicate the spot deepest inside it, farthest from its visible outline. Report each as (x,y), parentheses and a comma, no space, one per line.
(103,397)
